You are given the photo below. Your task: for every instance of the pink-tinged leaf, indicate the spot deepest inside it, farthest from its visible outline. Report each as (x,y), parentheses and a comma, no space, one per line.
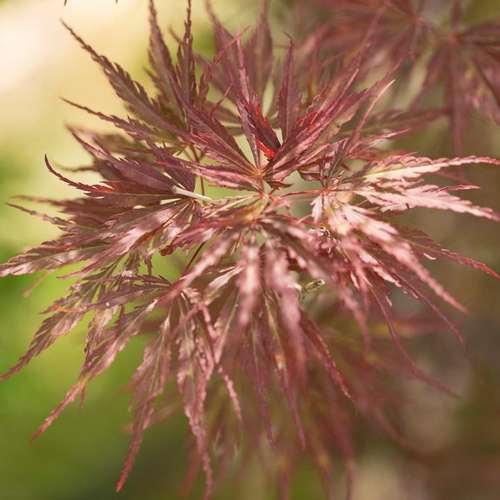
(427,196)
(141,420)
(331,108)
(338,429)
(392,123)
(295,239)
(395,29)
(232,393)
(411,167)
(267,280)
(131,169)
(185,62)
(409,285)
(279,280)
(225,345)
(48,256)
(135,129)
(315,336)
(254,356)
(210,257)
(149,382)
(265,137)
(68,399)
(132,93)
(464,63)
(381,299)
(206,77)
(456,99)
(225,73)
(430,249)
(161,62)
(52,328)
(217,143)
(102,357)
(77,185)
(194,372)
(172,165)
(288,97)
(258,53)
(348,218)
(247,130)
(227,319)
(245,94)
(131,230)
(223,176)
(379,89)
(96,334)
(56,221)
(487,94)
(248,282)
(279,352)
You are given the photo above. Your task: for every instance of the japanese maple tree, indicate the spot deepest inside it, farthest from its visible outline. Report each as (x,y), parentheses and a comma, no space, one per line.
(303,234)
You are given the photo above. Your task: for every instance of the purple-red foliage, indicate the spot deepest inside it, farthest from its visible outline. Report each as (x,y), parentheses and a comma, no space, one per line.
(462,61)
(308,235)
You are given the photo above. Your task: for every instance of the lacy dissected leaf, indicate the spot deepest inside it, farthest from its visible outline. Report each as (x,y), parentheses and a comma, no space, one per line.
(215,141)
(131,169)
(196,366)
(165,77)
(398,168)
(466,64)
(51,255)
(185,62)
(285,294)
(258,52)
(148,383)
(127,326)
(248,282)
(429,248)
(70,312)
(460,59)
(288,97)
(395,28)
(334,105)
(428,196)
(132,93)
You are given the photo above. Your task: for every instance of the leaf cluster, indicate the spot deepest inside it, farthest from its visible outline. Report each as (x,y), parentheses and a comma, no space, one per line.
(307,237)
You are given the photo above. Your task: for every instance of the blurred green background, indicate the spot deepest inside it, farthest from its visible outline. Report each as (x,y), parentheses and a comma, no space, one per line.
(80,457)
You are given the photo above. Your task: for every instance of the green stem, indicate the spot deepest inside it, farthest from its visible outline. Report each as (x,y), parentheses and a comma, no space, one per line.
(190,194)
